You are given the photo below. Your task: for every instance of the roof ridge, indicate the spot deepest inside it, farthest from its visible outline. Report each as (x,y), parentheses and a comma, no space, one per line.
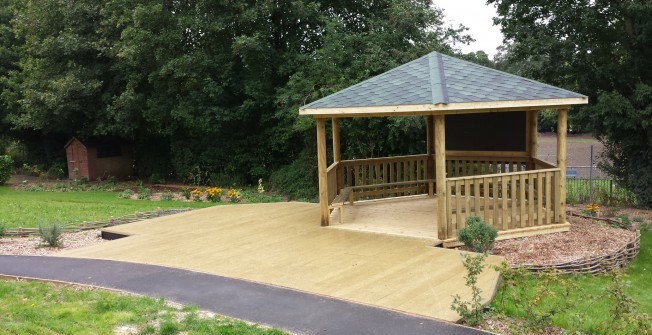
(438,85)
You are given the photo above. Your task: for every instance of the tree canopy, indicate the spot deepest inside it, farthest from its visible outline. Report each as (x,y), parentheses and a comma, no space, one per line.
(201,87)
(602,49)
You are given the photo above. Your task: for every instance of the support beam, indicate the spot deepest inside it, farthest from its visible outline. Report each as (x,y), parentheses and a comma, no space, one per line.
(337,151)
(430,147)
(440,174)
(533,133)
(321,166)
(562,127)
(337,154)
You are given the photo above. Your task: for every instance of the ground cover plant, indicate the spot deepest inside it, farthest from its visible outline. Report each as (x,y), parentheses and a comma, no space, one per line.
(26,209)
(42,308)
(581,303)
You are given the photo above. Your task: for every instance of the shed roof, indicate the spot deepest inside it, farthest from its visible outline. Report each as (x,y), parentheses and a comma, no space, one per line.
(440,83)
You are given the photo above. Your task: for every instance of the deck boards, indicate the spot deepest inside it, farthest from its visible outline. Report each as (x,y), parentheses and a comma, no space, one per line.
(282,244)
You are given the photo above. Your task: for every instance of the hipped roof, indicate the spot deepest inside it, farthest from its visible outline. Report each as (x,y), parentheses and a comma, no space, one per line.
(441,84)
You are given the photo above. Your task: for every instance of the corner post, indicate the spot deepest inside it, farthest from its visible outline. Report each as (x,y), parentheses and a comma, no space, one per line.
(321,167)
(440,176)
(562,127)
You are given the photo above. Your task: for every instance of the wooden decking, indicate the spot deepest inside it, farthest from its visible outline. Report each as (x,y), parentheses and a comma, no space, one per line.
(281,244)
(408,216)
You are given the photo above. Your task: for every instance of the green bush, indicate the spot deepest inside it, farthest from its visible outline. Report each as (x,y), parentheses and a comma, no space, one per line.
(50,234)
(5,168)
(478,235)
(126,194)
(2,230)
(298,180)
(144,193)
(166,196)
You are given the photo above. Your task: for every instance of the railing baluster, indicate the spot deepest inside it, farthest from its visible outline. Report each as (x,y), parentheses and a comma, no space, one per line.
(539,199)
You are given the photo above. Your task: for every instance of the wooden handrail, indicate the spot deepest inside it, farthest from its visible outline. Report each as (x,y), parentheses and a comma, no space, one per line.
(378,159)
(505,174)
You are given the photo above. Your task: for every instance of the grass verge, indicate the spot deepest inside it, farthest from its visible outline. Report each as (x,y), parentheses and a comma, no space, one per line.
(588,301)
(44,308)
(27,209)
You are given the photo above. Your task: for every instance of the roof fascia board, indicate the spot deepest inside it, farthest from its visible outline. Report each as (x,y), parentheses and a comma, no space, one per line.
(451,108)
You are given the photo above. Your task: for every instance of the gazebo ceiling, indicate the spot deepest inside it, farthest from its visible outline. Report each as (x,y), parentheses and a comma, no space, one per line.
(441,84)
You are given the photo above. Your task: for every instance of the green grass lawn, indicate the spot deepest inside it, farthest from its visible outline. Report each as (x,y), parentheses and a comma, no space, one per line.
(584,301)
(26,209)
(42,308)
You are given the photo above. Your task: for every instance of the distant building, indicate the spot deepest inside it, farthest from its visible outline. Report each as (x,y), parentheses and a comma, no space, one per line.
(99,157)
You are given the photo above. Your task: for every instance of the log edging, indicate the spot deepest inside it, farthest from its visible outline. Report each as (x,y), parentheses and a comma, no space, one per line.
(75,227)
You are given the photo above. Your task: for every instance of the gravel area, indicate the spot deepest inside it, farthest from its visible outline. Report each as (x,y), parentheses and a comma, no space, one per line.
(33,246)
(499,325)
(585,239)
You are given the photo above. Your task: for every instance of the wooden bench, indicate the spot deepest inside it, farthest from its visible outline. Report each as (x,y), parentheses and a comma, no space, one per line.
(347,193)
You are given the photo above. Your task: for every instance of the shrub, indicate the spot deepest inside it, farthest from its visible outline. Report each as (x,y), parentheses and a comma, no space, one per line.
(5,168)
(478,235)
(126,194)
(196,194)
(186,193)
(166,196)
(50,234)
(214,194)
(234,195)
(2,230)
(144,193)
(471,311)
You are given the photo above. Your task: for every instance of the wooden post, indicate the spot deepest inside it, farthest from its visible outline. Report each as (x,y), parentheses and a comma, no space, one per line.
(532,140)
(321,166)
(440,175)
(562,127)
(337,154)
(430,147)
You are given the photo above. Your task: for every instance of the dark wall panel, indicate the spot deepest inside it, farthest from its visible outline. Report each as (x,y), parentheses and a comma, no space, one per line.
(504,131)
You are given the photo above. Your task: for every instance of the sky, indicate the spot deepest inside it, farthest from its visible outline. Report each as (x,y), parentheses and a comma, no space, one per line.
(477,16)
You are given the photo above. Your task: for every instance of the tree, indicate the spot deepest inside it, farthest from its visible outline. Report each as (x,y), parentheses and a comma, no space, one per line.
(600,48)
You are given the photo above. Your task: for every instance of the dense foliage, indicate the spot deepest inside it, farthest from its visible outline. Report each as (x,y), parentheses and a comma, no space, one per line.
(602,49)
(206,88)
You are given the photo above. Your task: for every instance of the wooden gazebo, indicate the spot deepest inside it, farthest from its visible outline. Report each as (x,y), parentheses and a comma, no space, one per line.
(481,153)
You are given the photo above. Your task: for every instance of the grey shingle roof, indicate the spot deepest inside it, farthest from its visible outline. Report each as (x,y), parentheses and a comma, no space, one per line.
(436,78)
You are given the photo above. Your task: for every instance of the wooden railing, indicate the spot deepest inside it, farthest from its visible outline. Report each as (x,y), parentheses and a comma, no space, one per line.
(386,170)
(462,166)
(506,200)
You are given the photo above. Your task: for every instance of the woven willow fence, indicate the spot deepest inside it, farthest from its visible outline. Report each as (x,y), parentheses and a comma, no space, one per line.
(597,264)
(74,227)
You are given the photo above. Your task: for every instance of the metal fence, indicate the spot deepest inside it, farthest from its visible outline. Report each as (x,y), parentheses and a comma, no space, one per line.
(598,190)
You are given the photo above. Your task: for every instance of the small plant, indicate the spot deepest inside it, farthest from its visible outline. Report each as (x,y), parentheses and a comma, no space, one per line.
(214,194)
(2,230)
(196,194)
(166,196)
(234,195)
(50,234)
(186,193)
(592,209)
(5,168)
(478,235)
(261,189)
(471,311)
(126,194)
(144,193)
(624,221)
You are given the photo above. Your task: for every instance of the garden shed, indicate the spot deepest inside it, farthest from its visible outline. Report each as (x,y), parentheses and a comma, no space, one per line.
(99,157)
(480,156)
